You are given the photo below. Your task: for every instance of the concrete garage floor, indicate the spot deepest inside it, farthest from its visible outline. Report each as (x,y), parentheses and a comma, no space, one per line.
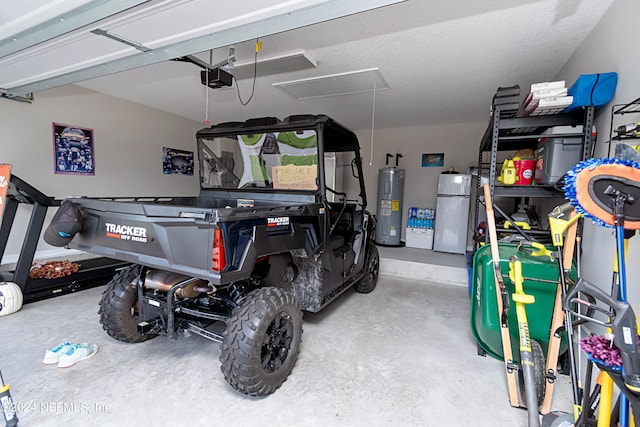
(402,355)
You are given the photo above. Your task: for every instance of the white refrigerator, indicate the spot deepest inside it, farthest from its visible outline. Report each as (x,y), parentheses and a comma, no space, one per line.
(452,213)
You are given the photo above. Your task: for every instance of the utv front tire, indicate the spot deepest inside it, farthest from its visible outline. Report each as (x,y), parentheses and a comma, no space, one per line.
(119,307)
(262,341)
(371,267)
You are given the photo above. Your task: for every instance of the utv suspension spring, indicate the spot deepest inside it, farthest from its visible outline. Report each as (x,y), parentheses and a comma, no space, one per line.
(238,291)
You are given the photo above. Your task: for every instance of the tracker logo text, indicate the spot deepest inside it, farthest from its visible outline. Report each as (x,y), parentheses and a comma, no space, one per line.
(126,232)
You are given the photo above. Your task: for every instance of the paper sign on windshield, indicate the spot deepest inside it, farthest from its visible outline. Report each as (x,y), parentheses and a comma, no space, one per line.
(292,177)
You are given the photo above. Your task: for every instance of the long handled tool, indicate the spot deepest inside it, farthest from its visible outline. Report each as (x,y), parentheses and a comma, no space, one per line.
(559,224)
(502,297)
(621,199)
(606,393)
(606,397)
(8,408)
(607,191)
(527,361)
(558,317)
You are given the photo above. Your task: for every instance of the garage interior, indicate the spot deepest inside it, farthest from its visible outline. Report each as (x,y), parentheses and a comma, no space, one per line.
(413,80)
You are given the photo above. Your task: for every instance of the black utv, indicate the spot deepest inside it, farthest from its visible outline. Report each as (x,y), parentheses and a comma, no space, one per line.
(280,226)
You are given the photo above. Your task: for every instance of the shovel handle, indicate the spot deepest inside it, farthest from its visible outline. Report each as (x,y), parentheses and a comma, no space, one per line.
(491,223)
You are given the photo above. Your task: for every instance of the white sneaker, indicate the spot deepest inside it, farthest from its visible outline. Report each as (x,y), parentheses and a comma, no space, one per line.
(53,356)
(76,353)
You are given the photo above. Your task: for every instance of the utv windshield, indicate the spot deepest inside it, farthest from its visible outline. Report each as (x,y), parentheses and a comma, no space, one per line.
(278,160)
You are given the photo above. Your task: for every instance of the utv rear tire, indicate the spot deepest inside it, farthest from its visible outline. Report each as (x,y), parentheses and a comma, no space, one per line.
(118,307)
(372,266)
(261,342)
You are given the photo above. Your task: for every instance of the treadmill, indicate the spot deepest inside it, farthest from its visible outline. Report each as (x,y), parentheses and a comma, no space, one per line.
(93,272)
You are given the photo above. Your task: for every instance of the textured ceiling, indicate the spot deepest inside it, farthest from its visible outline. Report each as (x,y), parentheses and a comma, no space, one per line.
(443,61)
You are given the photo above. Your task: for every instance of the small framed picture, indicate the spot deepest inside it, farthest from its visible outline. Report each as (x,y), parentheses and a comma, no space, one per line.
(73,150)
(432,160)
(177,162)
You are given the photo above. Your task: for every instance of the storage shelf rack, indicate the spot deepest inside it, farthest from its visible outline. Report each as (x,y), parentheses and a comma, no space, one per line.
(632,107)
(507,133)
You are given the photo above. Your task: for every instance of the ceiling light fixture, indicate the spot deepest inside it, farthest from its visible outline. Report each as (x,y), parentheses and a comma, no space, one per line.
(275,64)
(359,81)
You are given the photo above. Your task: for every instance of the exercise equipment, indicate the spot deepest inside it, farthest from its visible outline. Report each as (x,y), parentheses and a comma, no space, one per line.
(93,272)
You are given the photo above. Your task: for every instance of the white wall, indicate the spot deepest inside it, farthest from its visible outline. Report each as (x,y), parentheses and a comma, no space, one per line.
(128,149)
(611,46)
(458,142)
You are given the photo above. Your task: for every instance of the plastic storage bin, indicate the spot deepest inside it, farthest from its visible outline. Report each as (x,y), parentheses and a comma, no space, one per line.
(541,277)
(555,156)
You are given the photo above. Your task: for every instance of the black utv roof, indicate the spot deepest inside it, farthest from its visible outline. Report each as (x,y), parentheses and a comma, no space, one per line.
(335,137)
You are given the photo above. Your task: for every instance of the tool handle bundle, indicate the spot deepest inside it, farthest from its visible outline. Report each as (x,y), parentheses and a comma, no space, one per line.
(608,191)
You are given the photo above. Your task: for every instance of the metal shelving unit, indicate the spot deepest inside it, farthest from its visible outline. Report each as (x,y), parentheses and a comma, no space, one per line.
(508,133)
(620,110)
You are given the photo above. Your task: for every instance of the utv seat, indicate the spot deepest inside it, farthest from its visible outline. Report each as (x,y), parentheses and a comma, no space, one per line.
(336,242)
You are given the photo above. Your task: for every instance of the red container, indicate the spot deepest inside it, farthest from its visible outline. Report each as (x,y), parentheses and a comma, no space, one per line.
(525,171)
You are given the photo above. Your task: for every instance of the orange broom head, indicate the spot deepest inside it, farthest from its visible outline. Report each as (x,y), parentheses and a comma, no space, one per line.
(586,184)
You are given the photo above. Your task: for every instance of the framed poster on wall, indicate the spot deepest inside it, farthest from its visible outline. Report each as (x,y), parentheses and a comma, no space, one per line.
(430,160)
(73,150)
(177,162)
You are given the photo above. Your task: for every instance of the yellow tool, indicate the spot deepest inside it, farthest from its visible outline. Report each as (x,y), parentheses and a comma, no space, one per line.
(606,386)
(508,173)
(540,250)
(521,224)
(527,360)
(559,225)
(606,397)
